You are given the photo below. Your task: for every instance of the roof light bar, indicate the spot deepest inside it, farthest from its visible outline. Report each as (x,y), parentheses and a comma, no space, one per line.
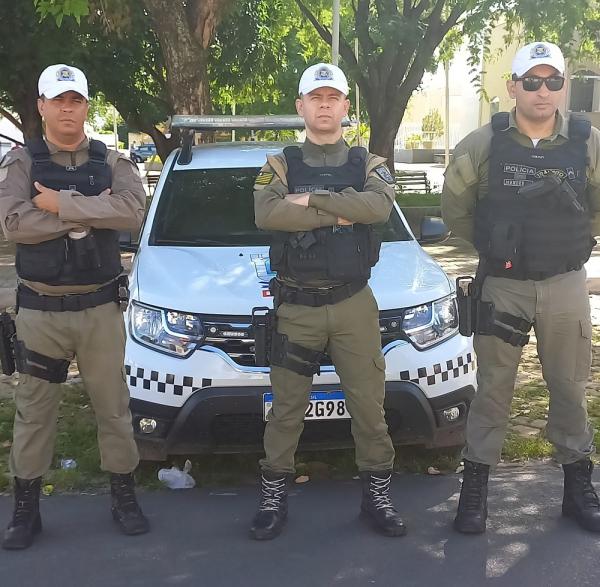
(189,123)
(255,122)
(223,122)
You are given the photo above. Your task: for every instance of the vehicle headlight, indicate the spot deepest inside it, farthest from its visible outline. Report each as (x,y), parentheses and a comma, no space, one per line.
(176,333)
(431,323)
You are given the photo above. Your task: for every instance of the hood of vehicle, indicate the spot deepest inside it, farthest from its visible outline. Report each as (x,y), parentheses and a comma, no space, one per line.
(232,280)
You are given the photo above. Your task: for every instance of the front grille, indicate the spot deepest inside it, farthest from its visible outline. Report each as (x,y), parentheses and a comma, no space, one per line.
(241,351)
(234,336)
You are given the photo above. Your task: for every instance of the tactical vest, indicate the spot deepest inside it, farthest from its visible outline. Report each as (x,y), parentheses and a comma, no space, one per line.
(64,261)
(334,253)
(524,237)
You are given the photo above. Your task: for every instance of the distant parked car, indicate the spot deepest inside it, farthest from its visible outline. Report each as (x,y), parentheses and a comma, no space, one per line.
(143,152)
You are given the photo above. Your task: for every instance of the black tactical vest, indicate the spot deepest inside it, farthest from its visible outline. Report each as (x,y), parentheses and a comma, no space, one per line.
(64,261)
(535,234)
(334,253)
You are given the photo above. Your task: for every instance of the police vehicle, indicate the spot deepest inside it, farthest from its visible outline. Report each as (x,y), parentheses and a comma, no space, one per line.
(202,266)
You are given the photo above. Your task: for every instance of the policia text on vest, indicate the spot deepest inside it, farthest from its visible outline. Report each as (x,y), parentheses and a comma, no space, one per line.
(63,201)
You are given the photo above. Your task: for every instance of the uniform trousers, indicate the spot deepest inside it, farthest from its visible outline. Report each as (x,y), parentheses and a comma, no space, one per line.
(560,311)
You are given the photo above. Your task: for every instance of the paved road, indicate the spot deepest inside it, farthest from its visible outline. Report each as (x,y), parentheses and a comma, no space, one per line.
(199,538)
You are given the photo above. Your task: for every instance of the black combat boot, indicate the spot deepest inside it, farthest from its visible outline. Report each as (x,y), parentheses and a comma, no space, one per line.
(272,510)
(580,500)
(26,521)
(125,509)
(472,505)
(376,504)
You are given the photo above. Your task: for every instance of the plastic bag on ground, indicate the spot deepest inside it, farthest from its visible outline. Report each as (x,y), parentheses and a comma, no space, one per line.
(175,478)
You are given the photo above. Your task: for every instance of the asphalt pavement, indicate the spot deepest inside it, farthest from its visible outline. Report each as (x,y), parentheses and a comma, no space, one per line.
(199,537)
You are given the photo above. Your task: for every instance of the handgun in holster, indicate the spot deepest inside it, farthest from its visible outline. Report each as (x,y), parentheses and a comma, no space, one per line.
(551,184)
(86,255)
(263,324)
(474,315)
(7,340)
(123,292)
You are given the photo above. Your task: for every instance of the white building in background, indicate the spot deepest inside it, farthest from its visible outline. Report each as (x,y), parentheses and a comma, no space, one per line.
(464,102)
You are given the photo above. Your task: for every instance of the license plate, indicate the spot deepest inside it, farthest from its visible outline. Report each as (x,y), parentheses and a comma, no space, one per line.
(324,405)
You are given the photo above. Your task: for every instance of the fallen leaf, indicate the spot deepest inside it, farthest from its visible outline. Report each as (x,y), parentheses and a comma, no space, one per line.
(433,471)
(302,479)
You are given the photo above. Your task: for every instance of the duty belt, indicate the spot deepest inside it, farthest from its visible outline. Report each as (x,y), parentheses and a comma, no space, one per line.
(315,297)
(496,270)
(27,298)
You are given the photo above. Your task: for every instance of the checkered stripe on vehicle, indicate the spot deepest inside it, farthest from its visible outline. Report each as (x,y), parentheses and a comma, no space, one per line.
(163,382)
(440,372)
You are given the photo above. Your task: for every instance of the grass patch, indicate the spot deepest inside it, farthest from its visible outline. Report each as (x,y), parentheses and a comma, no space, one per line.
(75,439)
(409,200)
(412,459)
(531,400)
(517,448)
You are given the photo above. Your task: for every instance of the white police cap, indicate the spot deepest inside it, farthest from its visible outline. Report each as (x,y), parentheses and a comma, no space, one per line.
(323,75)
(539,53)
(60,78)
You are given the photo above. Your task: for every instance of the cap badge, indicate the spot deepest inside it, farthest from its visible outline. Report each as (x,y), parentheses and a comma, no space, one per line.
(539,51)
(323,74)
(64,74)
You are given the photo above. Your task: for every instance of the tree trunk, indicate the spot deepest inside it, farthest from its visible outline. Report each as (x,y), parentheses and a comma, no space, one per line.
(26,106)
(385,118)
(185,33)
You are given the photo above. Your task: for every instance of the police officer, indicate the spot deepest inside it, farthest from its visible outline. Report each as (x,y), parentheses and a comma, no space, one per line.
(63,201)
(321,200)
(525,190)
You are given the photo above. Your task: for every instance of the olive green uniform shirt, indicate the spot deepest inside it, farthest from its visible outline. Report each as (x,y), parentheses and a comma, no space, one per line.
(274,212)
(122,209)
(466,178)
(371,206)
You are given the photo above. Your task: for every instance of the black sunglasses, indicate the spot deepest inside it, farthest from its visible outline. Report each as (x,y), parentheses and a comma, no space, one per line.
(532,83)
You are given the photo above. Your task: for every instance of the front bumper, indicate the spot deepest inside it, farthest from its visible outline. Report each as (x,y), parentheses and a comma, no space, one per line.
(230,420)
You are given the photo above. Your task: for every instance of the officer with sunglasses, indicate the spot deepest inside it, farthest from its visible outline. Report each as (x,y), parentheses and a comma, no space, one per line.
(525,190)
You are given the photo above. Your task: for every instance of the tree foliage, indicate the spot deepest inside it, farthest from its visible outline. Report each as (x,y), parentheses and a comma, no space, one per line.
(401,39)
(22,58)
(432,124)
(251,52)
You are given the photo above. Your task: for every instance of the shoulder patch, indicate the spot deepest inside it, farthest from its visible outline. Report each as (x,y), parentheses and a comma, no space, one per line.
(385,174)
(264,178)
(5,162)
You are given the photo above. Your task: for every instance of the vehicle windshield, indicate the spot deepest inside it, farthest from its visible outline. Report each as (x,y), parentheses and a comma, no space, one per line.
(215,207)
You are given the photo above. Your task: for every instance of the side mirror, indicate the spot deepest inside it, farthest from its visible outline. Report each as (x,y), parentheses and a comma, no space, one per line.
(126,244)
(433,230)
